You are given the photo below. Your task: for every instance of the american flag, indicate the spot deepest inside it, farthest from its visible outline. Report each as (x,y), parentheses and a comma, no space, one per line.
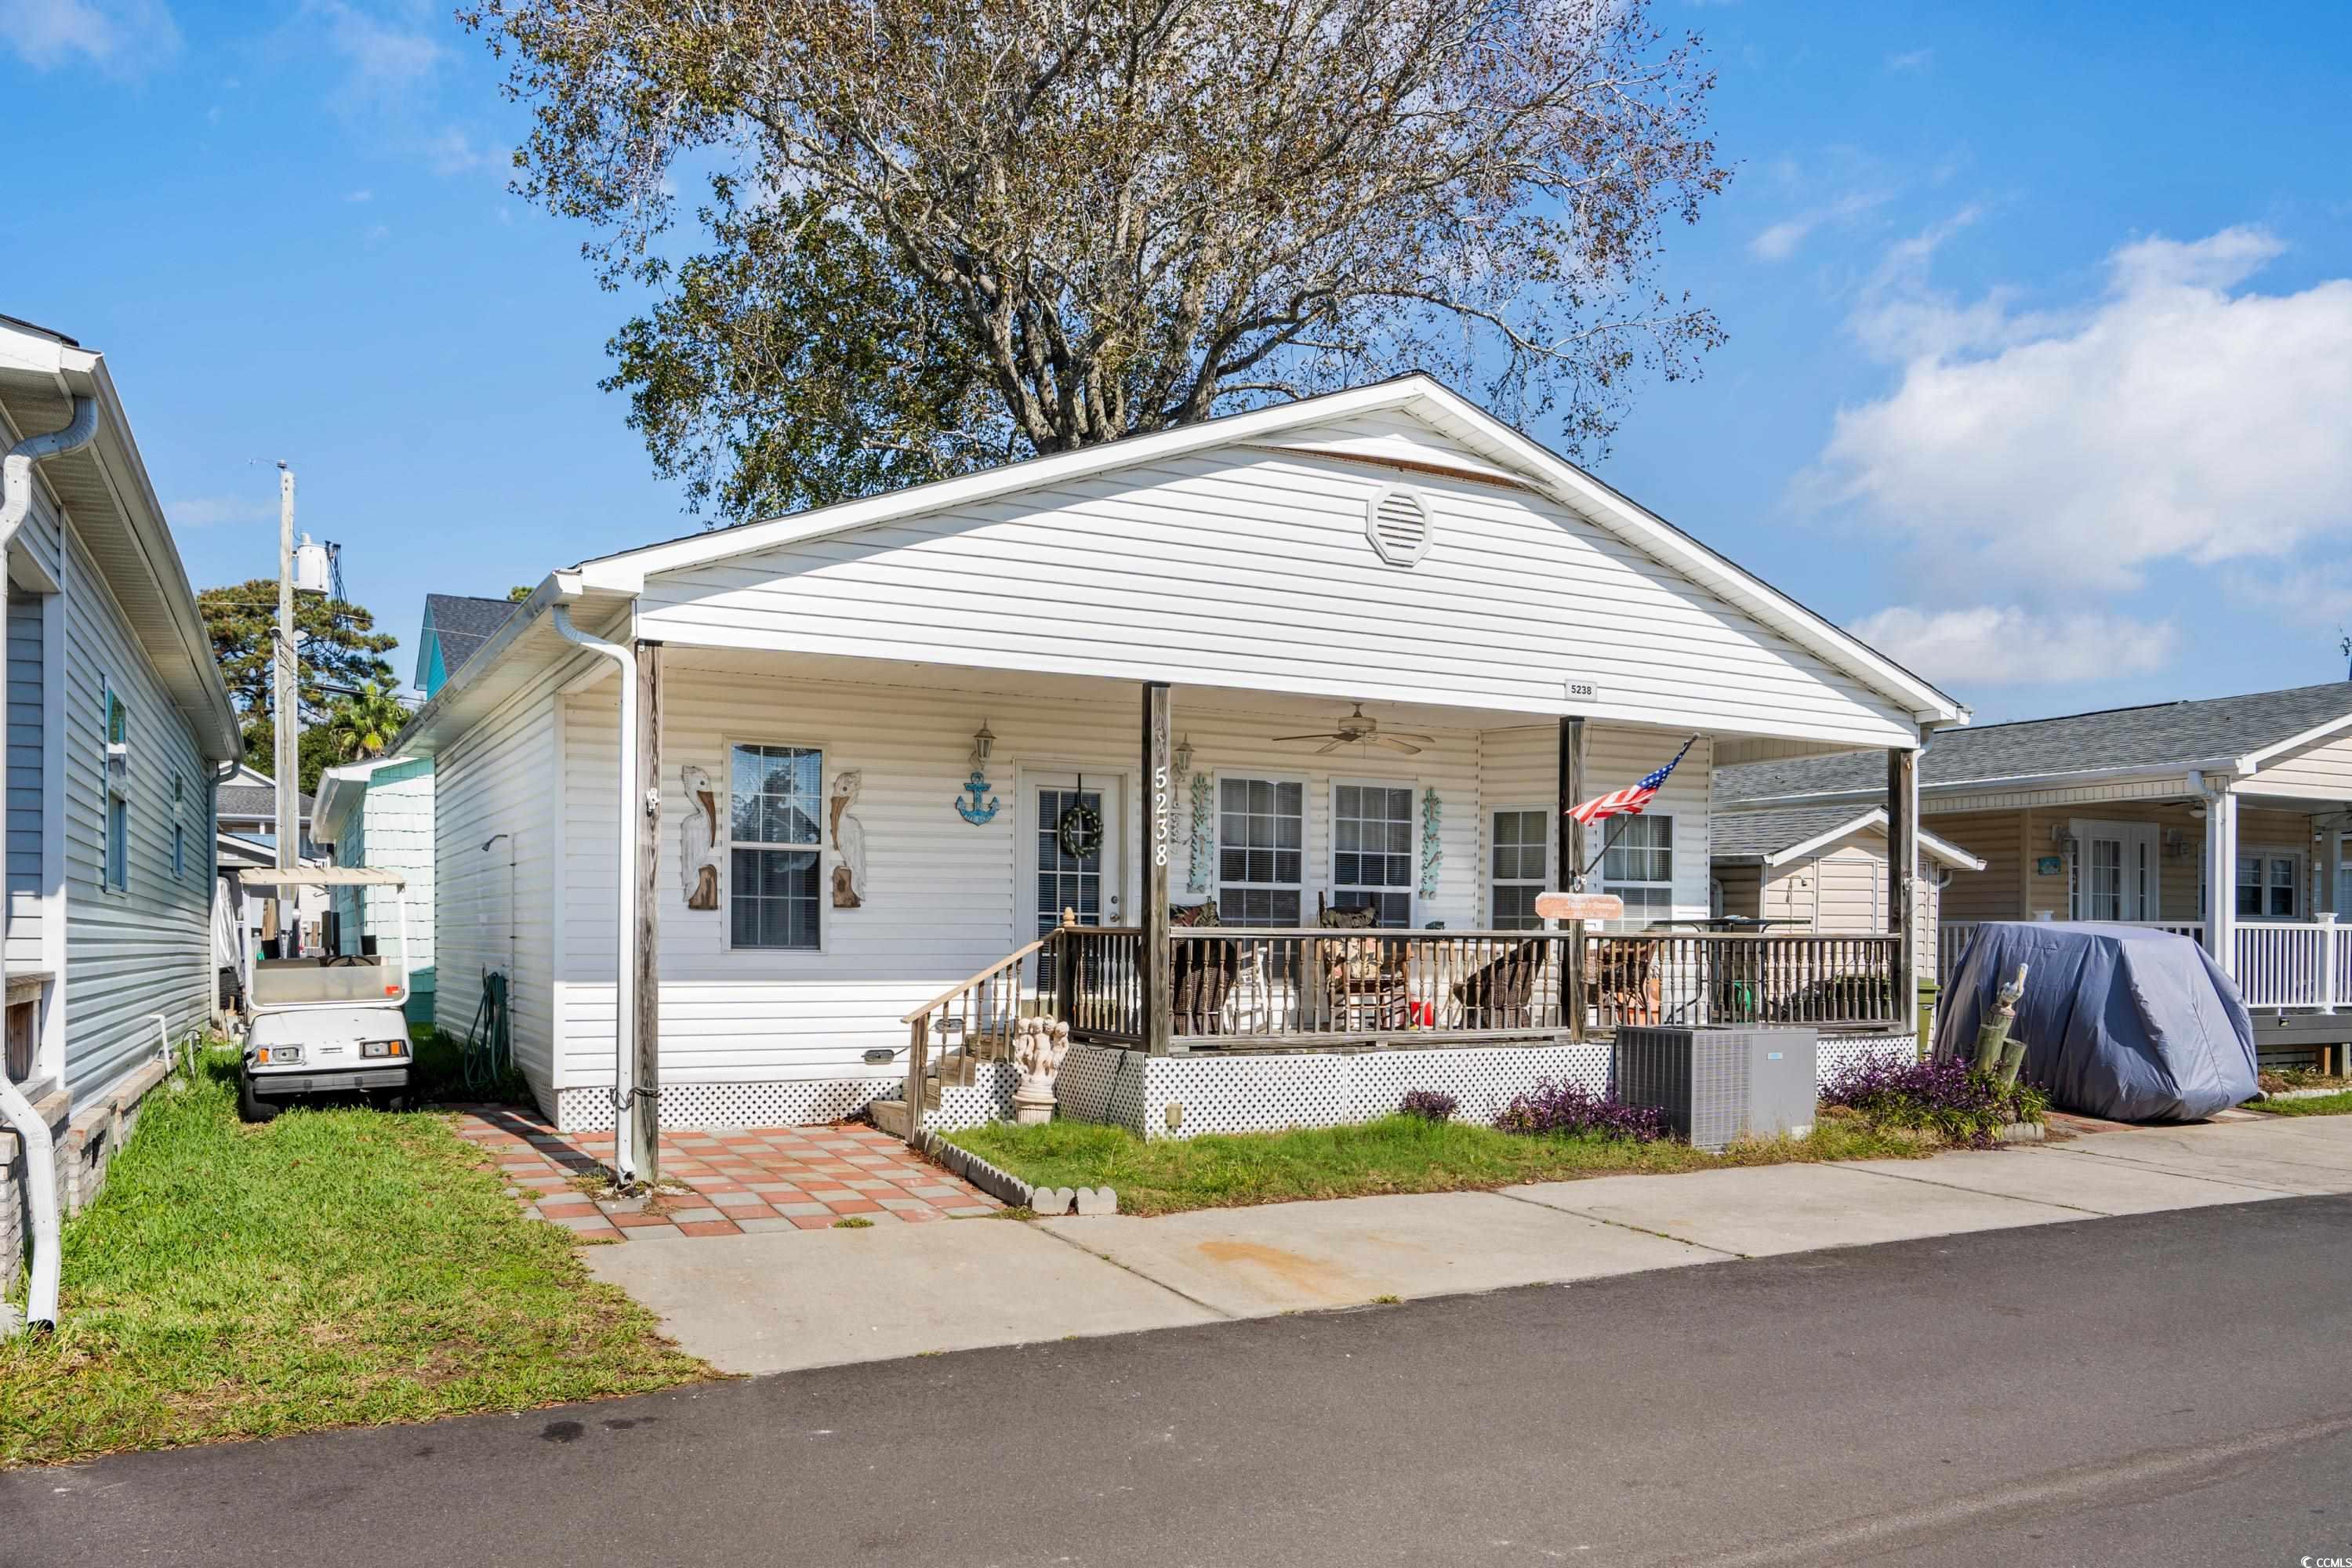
(1632,800)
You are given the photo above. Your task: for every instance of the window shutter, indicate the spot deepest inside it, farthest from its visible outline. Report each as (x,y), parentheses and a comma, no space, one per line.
(1397,521)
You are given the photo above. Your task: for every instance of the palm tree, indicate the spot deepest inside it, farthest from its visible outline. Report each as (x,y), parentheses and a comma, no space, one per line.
(366,723)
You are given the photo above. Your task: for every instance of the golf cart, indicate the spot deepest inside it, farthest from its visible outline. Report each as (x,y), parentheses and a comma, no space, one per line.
(330,1020)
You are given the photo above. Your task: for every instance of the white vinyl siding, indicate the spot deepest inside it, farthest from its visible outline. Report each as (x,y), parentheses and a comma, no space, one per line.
(1248,569)
(147,948)
(1523,764)
(495,827)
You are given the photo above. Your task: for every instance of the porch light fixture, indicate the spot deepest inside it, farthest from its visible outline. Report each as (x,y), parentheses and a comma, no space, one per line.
(982,741)
(1184,756)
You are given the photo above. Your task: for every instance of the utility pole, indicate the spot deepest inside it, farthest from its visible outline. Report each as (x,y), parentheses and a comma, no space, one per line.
(286,715)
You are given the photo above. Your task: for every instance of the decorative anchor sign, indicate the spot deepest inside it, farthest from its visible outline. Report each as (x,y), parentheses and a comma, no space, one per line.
(973,810)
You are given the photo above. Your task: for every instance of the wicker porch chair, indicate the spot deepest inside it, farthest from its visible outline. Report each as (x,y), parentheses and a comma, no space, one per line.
(1625,982)
(1500,993)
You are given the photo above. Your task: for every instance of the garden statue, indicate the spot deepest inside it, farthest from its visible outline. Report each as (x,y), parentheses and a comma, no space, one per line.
(699,850)
(1038,1046)
(849,840)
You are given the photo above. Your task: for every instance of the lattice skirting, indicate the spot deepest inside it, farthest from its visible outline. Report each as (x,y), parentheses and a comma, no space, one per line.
(1181,1097)
(1207,1093)
(704,1105)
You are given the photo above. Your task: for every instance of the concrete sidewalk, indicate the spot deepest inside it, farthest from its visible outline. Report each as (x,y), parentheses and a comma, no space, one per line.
(785,1300)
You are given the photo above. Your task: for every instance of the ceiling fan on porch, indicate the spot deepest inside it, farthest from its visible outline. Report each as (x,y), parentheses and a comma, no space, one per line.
(1362,728)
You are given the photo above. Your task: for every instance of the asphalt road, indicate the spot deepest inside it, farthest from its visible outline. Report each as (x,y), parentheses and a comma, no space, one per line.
(2168,1388)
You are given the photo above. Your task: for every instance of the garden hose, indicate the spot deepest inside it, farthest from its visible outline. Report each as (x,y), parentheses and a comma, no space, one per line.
(488,1055)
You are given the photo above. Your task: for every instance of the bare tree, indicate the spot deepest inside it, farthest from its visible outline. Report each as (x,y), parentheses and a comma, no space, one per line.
(1119,215)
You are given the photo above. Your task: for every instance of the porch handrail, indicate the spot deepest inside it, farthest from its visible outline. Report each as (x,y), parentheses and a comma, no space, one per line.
(975,982)
(1728,979)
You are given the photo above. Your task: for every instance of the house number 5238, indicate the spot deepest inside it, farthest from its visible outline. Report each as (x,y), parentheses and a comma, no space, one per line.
(1159,807)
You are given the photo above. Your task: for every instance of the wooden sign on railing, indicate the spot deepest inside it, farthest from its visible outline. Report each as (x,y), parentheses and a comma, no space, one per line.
(1579,907)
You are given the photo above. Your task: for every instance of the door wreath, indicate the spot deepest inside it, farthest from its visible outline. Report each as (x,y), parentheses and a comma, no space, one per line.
(1080,829)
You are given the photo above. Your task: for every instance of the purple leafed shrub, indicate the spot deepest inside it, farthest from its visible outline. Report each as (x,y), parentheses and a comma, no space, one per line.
(1560,1106)
(1944,1096)
(1429,1104)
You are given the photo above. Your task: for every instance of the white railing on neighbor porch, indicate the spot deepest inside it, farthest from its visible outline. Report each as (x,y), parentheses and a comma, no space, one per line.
(2294,965)
(1952,938)
(2278,963)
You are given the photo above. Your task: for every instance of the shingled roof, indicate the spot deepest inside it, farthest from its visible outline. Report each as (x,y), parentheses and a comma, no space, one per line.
(2162,734)
(463,624)
(1758,837)
(252,800)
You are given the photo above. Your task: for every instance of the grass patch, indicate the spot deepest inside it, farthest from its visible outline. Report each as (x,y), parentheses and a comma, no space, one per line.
(333,1267)
(2316,1105)
(1394,1154)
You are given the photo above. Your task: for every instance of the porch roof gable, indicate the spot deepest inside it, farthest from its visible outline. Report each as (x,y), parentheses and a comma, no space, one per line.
(1777,837)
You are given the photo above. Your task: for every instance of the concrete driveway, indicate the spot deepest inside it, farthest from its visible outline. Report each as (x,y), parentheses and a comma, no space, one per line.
(789,1300)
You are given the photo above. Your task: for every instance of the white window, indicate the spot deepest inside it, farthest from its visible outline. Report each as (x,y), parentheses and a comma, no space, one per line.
(2266,887)
(1639,867)
(1518,846)
(1260,851)
(179,853)
(1373,850)
(775,813)
(117,765)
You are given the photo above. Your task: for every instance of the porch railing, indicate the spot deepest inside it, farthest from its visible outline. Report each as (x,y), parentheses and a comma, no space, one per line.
(1722,979)
(1952,938)
(2302,964)
(1241,986)
(970,1022)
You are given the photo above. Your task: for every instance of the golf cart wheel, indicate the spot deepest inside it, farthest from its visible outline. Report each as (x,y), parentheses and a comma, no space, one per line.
(251,1107)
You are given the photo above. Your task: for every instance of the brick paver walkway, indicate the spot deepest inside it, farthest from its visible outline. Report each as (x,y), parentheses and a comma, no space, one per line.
(741,1179)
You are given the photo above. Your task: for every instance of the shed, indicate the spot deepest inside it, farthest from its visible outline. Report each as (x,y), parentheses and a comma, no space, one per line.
(1823,868)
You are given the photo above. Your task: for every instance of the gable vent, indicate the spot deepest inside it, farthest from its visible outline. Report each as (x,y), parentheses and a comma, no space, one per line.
(1397,521)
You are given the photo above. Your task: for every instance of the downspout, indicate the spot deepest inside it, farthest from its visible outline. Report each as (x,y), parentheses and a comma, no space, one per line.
(624,864)
(40,1150)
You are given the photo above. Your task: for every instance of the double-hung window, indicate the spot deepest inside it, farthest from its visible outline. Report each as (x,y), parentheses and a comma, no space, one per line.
(1639,867)
(1260,851)
(775,834)
(2266,887)
(1372,859)
(1518,851)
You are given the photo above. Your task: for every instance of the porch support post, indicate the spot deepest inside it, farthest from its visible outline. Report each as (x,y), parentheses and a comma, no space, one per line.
(1903,880)
(645,1126)
(2221,879)
(1570,778)
(2333,866)
(1158,836)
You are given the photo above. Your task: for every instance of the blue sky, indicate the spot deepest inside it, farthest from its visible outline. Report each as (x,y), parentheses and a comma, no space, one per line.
(2040,370)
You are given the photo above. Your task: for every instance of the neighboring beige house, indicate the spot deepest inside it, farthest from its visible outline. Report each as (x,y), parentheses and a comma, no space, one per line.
(2131,815)
(1824,869)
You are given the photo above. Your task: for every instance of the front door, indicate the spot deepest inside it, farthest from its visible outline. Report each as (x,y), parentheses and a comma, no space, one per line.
(1054,878)
(2118,865)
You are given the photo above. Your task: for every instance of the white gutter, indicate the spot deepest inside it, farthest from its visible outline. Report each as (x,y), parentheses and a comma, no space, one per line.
(624,865)
(32,1131)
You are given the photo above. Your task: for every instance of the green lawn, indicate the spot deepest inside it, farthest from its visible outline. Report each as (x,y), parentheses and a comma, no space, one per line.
(2317,1105)
(1396,1154)
(333,1267)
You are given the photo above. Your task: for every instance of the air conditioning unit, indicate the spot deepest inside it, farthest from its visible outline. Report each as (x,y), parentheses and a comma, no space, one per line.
(1716,1084)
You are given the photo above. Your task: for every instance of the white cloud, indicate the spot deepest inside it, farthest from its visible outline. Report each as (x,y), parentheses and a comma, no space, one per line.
(452,151)
(125,37)
(2008,645)
(359,195)
(1910,60)
(205,511)
(2177,417)
(1780,241)
(387,61)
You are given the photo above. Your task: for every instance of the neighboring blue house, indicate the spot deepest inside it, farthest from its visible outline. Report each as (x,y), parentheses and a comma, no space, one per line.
(454,626)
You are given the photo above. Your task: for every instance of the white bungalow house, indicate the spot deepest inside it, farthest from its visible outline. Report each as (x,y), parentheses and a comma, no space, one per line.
(1354,653)
(119,730)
